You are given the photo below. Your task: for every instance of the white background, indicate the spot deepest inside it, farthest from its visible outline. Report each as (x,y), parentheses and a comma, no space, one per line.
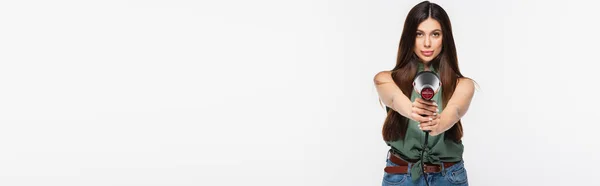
(181,92)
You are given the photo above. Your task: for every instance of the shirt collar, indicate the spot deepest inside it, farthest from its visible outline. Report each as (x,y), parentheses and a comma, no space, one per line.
(421,67)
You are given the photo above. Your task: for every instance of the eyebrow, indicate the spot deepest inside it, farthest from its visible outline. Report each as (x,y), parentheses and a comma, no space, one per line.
(431,31)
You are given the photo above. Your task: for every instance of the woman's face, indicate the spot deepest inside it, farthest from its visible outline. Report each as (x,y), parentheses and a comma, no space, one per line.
(428,43)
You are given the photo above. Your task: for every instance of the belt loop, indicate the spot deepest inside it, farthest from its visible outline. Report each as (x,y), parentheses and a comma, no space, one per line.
(443,169)
(388,154)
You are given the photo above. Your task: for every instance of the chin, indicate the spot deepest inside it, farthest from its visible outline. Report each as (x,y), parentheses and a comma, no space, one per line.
(426,59)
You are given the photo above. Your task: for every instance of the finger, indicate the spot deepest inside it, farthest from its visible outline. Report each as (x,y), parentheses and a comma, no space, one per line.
(420,103)
(425,128)
(429,128)
(428,123)
(425,102)
(428,110)
(423,112)
(431,108)
(419,118)
(417,110)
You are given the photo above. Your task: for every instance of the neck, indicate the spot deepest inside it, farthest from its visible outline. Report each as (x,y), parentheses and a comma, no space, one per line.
(426,66)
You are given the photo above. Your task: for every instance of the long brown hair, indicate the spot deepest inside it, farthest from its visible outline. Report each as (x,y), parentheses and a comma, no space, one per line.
(446,63)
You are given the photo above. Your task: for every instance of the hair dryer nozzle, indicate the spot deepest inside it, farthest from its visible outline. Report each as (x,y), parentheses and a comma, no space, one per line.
(427,93)
(427,83)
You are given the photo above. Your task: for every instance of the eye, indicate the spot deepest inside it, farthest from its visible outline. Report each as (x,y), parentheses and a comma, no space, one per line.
(437,34)
(419,34)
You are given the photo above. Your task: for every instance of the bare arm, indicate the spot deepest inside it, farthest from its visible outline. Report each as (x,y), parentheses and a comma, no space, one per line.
(391,95)
(457,105)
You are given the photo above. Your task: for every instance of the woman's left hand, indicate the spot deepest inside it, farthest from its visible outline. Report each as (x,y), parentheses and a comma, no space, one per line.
(433,126)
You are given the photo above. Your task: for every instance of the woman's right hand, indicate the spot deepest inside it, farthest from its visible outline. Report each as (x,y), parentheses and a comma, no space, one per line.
(422,110)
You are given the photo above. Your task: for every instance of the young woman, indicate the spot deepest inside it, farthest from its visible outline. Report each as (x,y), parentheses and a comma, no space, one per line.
(426,44)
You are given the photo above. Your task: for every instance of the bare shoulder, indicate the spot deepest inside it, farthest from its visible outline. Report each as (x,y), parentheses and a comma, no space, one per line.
(466,85)
(383,77)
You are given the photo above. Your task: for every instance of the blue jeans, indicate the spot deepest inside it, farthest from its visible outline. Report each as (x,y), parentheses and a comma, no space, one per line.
(455,175)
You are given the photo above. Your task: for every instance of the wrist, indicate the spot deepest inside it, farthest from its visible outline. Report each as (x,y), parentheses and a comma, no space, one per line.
(447,120)
(409,112)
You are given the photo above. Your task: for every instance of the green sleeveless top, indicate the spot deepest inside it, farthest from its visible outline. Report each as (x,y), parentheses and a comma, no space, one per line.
(438,148)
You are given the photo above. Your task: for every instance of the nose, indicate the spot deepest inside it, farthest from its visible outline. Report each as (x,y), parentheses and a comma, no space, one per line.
(427,41)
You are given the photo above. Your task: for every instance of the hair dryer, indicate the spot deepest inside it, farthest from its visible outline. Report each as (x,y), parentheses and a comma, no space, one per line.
(426,84)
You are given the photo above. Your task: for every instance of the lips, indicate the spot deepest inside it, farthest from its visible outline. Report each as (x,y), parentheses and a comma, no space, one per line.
(427,53)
